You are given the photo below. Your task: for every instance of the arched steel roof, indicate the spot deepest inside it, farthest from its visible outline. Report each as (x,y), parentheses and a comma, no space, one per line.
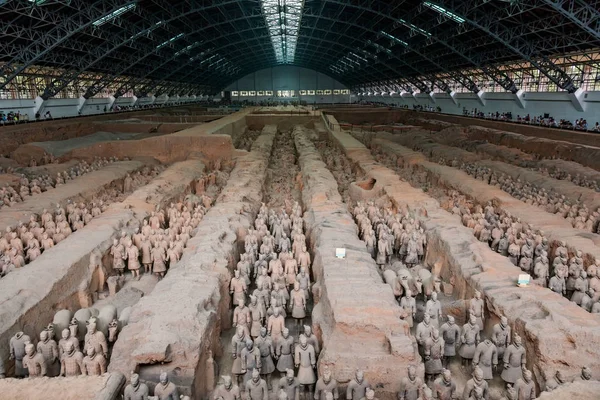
(208,44)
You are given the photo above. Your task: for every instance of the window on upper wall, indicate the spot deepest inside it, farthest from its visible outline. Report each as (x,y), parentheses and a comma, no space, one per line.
(235,94)
(269,93)
(327,91)
(243,93)
(260,93)
(311,92)
(303,93)
(345,91)
(319,92)
(252,93)
(336,91)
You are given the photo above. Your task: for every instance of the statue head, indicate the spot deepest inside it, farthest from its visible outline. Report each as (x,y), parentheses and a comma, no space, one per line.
(285,332)
(240,331)
(426,318)
(164,379)
(517,340)
(91,351)
(472,320)
(477,373)
(44,335)
(408,293)
(135,379)
(282,395)
(296,286)
(255,375)
(263,331)
(434,296)
(450,320)
(227,382)
(66,333)
(435,334)
(477,294)
(303,340)
(527,375)
(586,373)
(249,344)
(447,375)
(289,374)
(29,349)
(360,375)
(370,393)
(503,321)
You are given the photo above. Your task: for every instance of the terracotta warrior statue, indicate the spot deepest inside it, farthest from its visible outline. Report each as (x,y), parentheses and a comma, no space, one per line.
(227,390)
(451,335)
(298,304)
(444,388)
(238,343)
(166,390)
(18,353)
(48,348)
(486,357)
(501,336)
(34,362)
(94,363)
(434,353)
(357,387)
(264,343)
(411,385)
(514,361)
(476,383)
(256,388)
(133,262)
(326,384)
(525,386)
(476,308)
(96,338)
(284,350)
(289,385)
(71,361)
(136,390)
(251,359)
(305,361)
(469,339)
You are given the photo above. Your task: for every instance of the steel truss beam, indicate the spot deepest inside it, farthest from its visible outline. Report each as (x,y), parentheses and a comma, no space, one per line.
(584,13)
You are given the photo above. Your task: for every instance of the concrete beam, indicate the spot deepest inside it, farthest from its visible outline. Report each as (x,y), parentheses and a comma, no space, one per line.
(577,99)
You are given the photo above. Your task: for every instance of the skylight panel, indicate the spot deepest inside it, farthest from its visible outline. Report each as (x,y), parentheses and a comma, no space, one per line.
(166,42)
(283,23)
(113,15)
(444,12)
(414,28)
(147,31)
(394,39)
(186,49)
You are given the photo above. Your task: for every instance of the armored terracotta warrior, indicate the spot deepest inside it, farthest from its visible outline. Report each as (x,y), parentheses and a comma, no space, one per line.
(284,350)
(18,353)
(298,304)
(257,316)
(486,357)
(94,364)
(305,361)
(256,388)
(289,385)
(158,261)
(423,333)
(133,262)
(34,362)
(238,343)
(251,359)
(476,308)
(444,388)
(96,338)
(326,384)
(501,336)
(525,387)
(434,353)
(450,333)
(357,387)
(264,343)
(434,309)
(476,383)
(311,338)
(65,340)
(119,257)
(469,338)
(166,390)
(408,303)
(71,361)
(49,350)
(410,387)
(514,361)
(227,390)
(275,326)
(136,390)
(242,317)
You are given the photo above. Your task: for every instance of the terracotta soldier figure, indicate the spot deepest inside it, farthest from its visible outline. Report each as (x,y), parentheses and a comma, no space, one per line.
(514,361)
(410,387)
(469,339)
(298,304)
(264,344)
(166,390)
(475,383)
(256,388)
(325,384)
(17,352)
(275,326)
(357,387)
(424,330)
(158,261)
(242,317)
(434,353)
(444,388)
(118,253)
(290,385)
(251,359)
(311,338)
(71,361)
(94,363)
(305,361)
(501,336)
(34,362)
(486,357)
(133,262)
(227,390)
(451,334)
(284,350)
(476,308)
(525,387)
(408,303)
(238,343)
(96,338)
(434,309)
(136,390)
(49,349)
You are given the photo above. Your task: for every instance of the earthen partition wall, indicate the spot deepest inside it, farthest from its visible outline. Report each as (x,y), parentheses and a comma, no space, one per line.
(557,333)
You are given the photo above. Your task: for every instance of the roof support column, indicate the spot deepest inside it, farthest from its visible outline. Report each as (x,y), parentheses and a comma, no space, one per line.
(577,99)
(520,98)
(480,97)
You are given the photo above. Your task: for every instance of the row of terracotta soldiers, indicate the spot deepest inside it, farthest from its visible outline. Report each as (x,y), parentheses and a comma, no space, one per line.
(64,358)
(529,250)
(578,179)
(387,233)
(577,213)
(30,184)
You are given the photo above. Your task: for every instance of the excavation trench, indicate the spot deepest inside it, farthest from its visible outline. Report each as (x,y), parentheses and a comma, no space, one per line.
(356,315)
(67,275)
(545,320)
(182,319)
